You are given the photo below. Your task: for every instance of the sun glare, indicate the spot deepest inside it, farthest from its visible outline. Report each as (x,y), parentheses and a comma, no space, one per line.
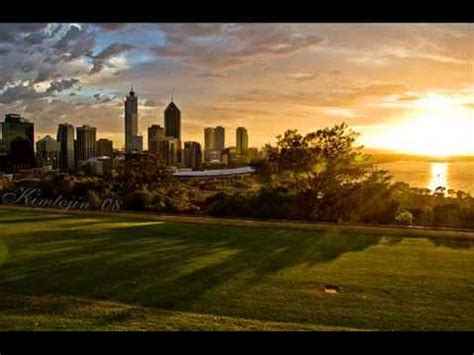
(438,126)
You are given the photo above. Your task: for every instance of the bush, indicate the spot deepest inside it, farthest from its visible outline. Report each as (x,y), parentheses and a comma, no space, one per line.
(404,217)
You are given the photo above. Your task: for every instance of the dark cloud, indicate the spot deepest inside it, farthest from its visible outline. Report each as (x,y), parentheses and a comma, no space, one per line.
(11,32)
(26,67)
(99,98)
(75,43)
(111,26)
(20,93)
(58,86)
(4,51)
(47,73)
(100,60)
(35,38)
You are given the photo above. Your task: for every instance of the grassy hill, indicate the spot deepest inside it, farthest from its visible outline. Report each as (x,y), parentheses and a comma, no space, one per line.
(69,272)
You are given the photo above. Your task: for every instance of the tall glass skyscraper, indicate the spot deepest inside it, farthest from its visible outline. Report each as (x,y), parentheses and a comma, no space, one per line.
(173,121)
(133,142)
(65,137)
(86,142)
(18,141)
(242,140)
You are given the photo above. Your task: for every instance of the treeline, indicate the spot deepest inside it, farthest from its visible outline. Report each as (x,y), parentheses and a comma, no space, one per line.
(321,176)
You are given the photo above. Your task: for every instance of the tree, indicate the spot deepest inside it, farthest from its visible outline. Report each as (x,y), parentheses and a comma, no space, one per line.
(330,176)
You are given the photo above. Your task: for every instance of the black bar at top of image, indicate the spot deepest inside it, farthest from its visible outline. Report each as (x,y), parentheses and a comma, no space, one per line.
(237,11)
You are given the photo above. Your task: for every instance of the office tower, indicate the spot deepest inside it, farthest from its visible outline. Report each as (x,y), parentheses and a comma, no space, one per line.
(242,141)
(219,140)
(18,142)
(192,155)
(47,152)
(133,142)
(209,139)
(65,137)
(105,148)
(86,142)
(173,121)
(156,134)
(214,143)
(168,150)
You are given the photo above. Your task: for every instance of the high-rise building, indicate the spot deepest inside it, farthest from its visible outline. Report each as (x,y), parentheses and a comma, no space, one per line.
(219,132)
(209,139)
(192,155)
(65,137)
(86,142)
(47,152)
(18,142)
(133,142)
(155,135)
(168,150)
(214,142)
(173,121)
(105,148)
(242,140)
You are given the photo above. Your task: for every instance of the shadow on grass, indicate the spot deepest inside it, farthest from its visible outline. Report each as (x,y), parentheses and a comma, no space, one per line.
(170,265)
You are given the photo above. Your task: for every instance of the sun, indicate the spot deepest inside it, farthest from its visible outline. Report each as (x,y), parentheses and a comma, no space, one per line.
(438,126)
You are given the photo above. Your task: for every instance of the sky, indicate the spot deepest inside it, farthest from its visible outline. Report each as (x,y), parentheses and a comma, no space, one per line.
(404,87)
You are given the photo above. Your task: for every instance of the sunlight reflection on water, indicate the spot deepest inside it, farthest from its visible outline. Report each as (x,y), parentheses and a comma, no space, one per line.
(439,176)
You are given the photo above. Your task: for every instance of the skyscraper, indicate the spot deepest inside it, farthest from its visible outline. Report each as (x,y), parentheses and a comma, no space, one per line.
(105,148)
(86,142)
(242,140)
(156,134)
(168,150)
(214,142)
(18,141)
(192,155)
(47,152)
(133,142)
(209,139)
(173,121)
(65,137)
(219,138)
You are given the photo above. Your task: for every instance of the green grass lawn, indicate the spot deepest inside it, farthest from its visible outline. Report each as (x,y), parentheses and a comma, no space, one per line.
(119,273)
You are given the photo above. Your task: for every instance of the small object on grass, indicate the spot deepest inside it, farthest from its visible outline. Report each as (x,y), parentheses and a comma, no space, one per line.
(332,289)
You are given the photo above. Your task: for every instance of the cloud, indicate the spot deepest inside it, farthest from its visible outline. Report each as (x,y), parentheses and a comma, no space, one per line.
(111,26)
(100,60)
(299,77)
(58,86)
(225,45)
(12,32)
(99,98)
(211,75)
(20,92)
(35,38)
(151,103)
(75,43)
(4,51)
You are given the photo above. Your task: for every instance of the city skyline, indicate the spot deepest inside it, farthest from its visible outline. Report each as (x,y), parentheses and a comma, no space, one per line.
(378,78)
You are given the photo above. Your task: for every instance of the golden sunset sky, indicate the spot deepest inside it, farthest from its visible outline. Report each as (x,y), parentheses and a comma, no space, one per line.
(404,87)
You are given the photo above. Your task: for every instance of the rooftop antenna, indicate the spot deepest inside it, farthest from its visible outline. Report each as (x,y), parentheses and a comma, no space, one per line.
(172,93)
